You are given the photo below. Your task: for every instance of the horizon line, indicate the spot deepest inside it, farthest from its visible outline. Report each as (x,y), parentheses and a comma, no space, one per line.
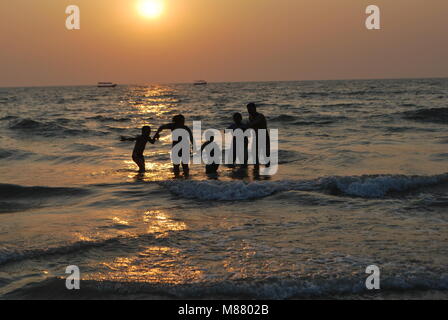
(218,82)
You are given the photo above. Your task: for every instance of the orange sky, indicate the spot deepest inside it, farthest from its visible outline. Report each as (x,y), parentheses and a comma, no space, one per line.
(220,40)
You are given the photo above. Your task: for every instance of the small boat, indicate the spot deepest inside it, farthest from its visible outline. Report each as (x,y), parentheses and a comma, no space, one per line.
(106,85)
(200,82)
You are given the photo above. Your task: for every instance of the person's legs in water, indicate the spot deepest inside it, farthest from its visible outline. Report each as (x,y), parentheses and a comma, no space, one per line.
(265,150)
(185,169)
(257,149)
(176,167)
(246,152)
(234,152)
(268,148)
(211,168)
(140,161)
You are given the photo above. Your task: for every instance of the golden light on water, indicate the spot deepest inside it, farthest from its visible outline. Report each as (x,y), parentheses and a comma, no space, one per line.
(160,223)
(155,171)
(152,263)
(155,264)
(151,8)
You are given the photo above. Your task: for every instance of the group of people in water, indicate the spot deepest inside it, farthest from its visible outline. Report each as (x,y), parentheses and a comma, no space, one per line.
(257,121)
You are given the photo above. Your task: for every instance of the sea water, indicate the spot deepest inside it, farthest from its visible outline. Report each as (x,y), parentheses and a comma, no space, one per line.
(362,180)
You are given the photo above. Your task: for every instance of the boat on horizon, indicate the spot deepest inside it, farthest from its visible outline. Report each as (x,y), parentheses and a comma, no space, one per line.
(200,82)
(106,85)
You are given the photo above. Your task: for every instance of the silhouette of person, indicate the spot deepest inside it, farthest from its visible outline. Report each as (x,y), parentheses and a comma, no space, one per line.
(257,121)
(213,167)
(238,124)
(178,122)
(139,148)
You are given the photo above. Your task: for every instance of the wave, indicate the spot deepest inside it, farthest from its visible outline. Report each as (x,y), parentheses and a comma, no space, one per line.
(342,104)
(31,124)
(11,207)
(49,129)
(12,191)
(283,118)
(322,120)
(14,154)
(380,186)
(312,123)
(272,289)
(8,118)
(7,100)
(369,187)
(307,120)
(9,256)
(289,156)
(85,147)
(437,115)
(108,119)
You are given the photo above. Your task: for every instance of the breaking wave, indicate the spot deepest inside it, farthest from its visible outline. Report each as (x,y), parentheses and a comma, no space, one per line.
(372,187)
(273,289)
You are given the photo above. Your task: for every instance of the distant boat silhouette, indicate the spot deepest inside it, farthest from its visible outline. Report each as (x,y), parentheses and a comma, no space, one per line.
(106,85)
(200,82)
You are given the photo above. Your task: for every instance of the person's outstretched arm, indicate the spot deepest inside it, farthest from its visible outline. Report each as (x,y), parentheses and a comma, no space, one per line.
(151,140)
(161,128)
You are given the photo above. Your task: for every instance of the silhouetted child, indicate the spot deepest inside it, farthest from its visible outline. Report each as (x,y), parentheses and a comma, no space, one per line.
(139,148)
(238,124)
(177,123)
(213,167)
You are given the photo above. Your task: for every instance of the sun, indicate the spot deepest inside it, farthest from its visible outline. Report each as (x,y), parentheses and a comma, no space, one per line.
(151,8)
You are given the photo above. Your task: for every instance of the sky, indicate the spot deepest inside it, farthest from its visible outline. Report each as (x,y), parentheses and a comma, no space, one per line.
(220,40)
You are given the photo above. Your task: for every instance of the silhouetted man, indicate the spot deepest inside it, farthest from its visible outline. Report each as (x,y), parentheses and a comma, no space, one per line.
(257,121)
(178,123)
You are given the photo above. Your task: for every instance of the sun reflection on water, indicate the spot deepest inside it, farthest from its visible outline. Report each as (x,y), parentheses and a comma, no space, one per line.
(155,171)
(150,263)
(160,224)
(157,110)
(156,264)
(155,100)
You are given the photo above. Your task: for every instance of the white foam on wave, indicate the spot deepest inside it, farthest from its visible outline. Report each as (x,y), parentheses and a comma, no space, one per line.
(380,186)
(362,186)
(231,190)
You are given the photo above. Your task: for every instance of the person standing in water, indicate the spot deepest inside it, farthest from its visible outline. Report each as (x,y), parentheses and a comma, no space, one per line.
(177,123)
(139,148)
(257,121)
(212,167)
(238,124)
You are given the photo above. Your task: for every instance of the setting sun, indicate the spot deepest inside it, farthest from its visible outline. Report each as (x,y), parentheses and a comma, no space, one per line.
(151,8)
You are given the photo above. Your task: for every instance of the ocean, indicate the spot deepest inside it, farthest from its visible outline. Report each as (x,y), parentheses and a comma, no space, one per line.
(362,180)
